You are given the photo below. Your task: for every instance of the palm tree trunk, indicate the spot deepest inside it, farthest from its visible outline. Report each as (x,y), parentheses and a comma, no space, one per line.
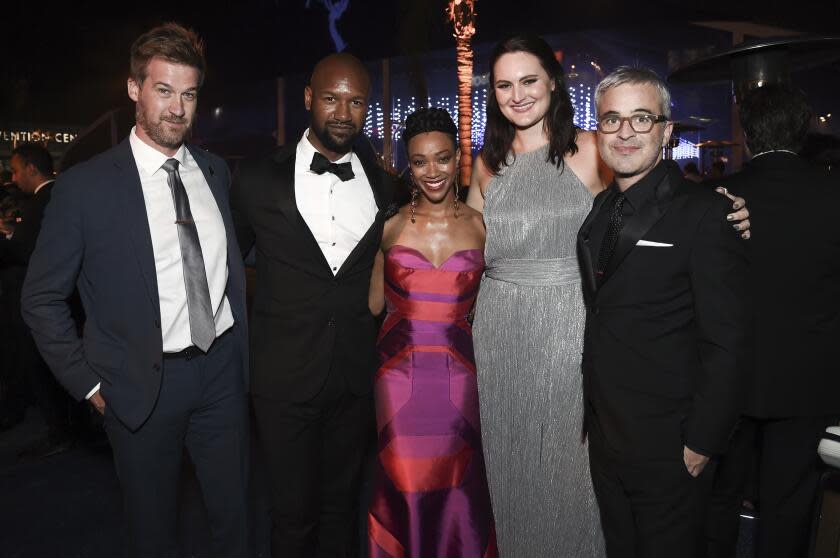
(465,71)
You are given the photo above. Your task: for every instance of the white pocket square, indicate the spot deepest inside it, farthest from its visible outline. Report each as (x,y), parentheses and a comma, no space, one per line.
(654,244)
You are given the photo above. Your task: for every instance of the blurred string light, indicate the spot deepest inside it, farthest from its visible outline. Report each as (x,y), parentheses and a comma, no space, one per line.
(581,96)
(685,150)
(584,103)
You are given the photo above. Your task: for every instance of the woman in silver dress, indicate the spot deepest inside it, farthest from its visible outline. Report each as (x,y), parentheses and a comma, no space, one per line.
(534,181)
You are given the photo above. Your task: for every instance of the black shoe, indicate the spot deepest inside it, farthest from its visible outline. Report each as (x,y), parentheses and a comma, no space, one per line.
(45,448)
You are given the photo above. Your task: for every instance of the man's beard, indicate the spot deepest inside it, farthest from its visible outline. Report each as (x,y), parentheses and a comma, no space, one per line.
(336,145)
(158,132)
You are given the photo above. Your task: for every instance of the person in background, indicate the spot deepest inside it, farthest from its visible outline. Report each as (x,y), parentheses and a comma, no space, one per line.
(794,279)
(691,172)
(32,172)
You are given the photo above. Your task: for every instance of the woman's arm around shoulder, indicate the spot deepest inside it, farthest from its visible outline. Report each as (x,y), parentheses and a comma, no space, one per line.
(478,183)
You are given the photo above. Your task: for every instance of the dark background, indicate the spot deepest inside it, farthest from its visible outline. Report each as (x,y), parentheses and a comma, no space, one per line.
(65,64)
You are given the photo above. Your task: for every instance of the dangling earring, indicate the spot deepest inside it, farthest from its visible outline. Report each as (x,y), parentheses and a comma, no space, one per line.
(455,203)
(414,193)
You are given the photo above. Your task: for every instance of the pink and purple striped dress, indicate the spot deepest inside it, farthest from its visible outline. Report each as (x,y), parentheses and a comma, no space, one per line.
(430,490)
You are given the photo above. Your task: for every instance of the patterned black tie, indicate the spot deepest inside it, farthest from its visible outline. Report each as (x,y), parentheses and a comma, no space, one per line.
(202,325)
(610,237)
(321,164)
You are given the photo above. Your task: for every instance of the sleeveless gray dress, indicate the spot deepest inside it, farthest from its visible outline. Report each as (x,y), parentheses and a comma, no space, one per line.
(528,337)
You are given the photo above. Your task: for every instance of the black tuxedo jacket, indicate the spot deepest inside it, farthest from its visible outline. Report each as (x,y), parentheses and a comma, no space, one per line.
(306,322)
(665,332)
(795,285)
(95,236)
(18,249)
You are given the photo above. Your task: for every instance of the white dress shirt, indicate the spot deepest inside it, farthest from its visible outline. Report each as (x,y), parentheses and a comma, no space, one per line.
(160,210)
(338,213)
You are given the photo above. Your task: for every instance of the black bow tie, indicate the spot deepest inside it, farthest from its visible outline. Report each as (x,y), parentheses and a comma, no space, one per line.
(321,164)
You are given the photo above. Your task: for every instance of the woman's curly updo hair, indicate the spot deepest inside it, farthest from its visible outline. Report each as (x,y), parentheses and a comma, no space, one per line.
(429,119)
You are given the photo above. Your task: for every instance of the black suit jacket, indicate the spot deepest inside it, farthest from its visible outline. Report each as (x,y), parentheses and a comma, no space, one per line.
(305,320)
(95,236)
(665,332)
(18,249)
(795,284)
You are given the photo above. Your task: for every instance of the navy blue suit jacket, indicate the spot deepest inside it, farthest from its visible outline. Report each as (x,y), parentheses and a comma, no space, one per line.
(95,237)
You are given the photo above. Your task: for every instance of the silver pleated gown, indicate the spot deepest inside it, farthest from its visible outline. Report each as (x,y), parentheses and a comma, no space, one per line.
(528,336)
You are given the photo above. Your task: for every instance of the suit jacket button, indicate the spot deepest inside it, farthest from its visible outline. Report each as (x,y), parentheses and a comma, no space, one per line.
(331,323)
(156,366)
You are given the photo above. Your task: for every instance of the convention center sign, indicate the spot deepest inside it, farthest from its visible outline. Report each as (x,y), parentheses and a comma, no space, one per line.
(57,139)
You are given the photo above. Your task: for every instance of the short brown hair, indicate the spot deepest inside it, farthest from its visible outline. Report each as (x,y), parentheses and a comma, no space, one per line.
(171,42)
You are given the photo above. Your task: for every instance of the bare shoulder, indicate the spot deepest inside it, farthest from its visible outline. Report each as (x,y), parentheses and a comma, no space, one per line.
(481,175)
(586,163)
(472,225)
(393,227)
(472,216)
(586,140)
(587,150)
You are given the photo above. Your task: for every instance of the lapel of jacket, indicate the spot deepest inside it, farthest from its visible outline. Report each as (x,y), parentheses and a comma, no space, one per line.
(285,199)
(377,178)
(587,271)
(642,221)
(136,218)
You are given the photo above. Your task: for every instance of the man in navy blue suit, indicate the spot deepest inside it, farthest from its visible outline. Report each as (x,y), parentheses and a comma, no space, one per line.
(145,233)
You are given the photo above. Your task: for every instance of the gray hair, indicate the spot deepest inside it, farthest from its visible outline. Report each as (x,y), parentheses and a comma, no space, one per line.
(627,74)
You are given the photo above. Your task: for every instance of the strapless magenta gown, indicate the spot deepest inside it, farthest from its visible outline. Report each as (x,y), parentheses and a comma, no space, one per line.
(430,489)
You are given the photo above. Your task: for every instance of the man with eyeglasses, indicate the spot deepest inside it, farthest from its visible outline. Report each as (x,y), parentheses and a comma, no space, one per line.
(663,278)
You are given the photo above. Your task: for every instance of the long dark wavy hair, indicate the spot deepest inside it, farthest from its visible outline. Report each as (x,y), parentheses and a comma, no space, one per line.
(558,122)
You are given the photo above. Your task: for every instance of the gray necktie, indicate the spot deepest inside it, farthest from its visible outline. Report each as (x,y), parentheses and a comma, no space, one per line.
(202,325)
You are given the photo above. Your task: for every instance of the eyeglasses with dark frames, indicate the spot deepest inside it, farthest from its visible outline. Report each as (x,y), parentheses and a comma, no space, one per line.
(640,123)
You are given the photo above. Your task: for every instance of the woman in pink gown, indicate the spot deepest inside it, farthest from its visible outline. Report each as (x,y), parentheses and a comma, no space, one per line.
(430,489)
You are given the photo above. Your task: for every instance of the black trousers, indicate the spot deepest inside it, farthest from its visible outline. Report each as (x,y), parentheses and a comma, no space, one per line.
(314,453)
(789,476)
(652,508)
(201,407)
(723,521)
